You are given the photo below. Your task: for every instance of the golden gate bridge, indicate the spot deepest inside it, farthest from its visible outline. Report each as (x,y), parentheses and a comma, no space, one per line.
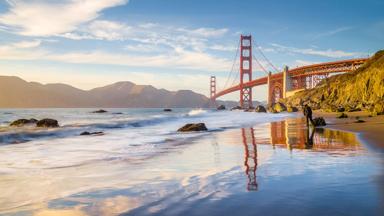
(281,84)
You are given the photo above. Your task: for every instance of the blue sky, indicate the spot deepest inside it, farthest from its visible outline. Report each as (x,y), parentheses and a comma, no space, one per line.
(177,44)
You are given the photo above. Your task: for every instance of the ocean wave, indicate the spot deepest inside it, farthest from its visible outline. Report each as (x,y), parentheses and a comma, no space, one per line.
(195,112)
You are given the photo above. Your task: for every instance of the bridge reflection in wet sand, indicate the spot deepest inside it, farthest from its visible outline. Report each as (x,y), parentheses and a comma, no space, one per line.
(293,134)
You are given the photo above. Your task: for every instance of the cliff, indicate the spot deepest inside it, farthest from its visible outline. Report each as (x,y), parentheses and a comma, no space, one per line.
(362,89)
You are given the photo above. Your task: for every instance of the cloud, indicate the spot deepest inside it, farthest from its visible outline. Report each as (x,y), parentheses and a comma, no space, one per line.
(182,59)
(38,18)
(332,32)
(300,63)
(205,32)
(220,47)
(179,59)
(27,44)
(22,50)
(310,51)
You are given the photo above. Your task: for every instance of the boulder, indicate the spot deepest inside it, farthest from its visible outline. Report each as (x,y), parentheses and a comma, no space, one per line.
(221,107)
(48,123)
(236,108)
(277,107)
(260,108)
(167,110)
(86,133)
(292,109)
(100,111)
(340,109)
(362,89)
(193,127)
(342,115)
(22,122)
(319,121)
(378,107)
(251,109)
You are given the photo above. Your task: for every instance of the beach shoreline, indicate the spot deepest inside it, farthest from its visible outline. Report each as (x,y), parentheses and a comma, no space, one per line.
(369,132)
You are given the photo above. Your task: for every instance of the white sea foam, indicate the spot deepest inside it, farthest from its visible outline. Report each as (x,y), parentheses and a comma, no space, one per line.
(134,135)
(196,112)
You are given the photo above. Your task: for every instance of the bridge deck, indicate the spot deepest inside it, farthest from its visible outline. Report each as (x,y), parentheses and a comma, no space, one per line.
(310,70)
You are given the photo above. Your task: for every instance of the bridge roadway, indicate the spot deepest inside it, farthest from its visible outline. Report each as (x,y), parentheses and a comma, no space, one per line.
(310,70)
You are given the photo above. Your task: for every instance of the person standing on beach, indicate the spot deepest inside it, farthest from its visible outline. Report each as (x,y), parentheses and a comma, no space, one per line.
(308,115)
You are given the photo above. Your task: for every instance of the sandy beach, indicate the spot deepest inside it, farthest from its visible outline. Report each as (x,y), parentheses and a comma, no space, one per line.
(370,131)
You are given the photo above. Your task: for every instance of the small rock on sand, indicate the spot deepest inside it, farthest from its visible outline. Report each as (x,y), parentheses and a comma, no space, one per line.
(22,122)
(47,123)
(100,111)
(86,133)
(193,127)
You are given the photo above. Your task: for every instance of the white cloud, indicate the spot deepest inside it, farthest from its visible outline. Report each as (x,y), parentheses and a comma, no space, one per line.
(220,47)
(21,50)
(310,51)
(300,63)
(38,18)
(108,30)
(183,60)
(332,32)
(147,33)
(205,32)
(141,48)
(180,59)
(27,44)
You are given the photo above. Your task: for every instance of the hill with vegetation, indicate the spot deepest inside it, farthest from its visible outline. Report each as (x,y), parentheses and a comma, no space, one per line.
(362,89)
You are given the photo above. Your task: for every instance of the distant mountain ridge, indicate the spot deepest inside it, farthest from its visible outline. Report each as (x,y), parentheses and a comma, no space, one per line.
(18,93)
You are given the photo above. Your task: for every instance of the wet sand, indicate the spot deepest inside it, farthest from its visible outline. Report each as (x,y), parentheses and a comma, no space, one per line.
(371,131)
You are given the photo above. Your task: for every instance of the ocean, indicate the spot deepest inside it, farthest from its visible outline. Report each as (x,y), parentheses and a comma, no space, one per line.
(245,163)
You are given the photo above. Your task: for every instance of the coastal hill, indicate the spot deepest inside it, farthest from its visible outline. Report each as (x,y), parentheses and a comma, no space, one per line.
(362,89)
(18,93)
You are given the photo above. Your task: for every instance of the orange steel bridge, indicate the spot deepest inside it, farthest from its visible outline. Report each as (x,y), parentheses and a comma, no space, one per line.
(281,83)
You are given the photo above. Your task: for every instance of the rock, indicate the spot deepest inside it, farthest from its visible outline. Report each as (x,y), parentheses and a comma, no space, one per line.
(319,121)
(221,107)
(167,110)
(292,109)
(340,109)
(342,115)
(22,122)
(117,113)
(251,109)
(193,127)
(100,111)
(236,108)
(362,89)
(372,114)
(379,107)
(260,108)
(280,107)
(47,123)
(86,133)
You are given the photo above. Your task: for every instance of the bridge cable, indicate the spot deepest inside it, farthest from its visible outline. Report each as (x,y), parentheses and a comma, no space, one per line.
(261,52)
(233,65)
(261,66)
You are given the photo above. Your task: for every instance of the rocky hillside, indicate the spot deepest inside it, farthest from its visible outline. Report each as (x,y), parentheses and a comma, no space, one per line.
(362,89)
(18,93)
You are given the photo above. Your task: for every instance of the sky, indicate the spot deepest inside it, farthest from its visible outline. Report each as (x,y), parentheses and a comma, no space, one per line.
(178,44)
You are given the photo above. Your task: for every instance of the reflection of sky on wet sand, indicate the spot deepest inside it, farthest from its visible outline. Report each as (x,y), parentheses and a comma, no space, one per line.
(210,176)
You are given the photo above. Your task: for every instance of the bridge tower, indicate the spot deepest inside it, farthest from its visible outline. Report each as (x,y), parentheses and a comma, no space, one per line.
(245,71)
(213,91)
